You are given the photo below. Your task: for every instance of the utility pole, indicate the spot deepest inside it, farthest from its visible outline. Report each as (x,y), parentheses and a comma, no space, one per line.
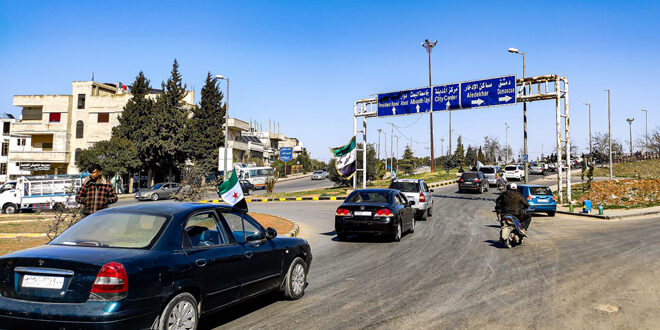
(609,130)
(429,46)
(590,149)
(506,143)
(526,162)
(630,120)
(397,153)
(646,113)
(392,148)
(379,131)
(442,146)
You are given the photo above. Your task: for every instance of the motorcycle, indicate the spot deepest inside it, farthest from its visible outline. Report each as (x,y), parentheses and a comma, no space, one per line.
(501,183)
(511,233)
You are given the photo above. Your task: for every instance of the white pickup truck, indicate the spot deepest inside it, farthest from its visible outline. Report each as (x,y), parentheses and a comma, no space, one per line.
(39,192)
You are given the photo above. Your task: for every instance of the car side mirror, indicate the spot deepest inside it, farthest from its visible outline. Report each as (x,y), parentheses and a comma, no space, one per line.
(271,233)
(411,203)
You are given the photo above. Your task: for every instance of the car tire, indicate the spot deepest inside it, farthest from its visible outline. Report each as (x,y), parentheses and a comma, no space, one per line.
(182,307)
(342,237)
(423,215)
(296,279)
(412,226)
(9,208)
(396,237)
(250,192)
(428,212)
(155,197)
(552,214)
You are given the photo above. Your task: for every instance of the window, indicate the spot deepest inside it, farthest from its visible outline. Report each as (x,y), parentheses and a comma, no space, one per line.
(405,186)
(20,142)
(5,148)
(202,230)
(54,117)
(104,117)
(369,197)
(81,101)
(252,231)
(235,222)
(6,128)
(3,169)
(47,146)
(77,155)
(80,126)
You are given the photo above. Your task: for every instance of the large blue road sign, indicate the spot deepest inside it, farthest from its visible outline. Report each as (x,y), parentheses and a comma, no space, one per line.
(446,97)
(464,95)
(286,154)
(404,102)
(488,92)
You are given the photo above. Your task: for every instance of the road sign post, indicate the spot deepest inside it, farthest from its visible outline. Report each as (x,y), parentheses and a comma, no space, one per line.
(286,154)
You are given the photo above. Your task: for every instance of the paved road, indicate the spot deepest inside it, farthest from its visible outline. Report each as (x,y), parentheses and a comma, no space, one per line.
(298,184)
(451,273)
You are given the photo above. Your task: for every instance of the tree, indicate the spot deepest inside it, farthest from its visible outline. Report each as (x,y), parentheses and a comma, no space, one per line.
(601,148)
(205,132)
(481,157)
(491,149)
(117,156)
(304,160)
(459,154)
(470,157)
(407,163)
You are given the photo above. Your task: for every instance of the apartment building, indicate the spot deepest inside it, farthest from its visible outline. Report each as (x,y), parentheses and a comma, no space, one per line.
(54,129)
(7,120)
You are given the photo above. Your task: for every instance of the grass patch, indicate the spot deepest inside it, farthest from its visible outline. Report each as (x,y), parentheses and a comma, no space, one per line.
(40,227)
(619,194)
(643,169)
(8,245)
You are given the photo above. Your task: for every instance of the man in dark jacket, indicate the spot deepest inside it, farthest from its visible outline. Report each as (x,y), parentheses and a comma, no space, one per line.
(96,193)
(512,202)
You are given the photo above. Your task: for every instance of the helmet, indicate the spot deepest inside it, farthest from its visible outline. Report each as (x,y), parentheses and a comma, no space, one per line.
(512,186)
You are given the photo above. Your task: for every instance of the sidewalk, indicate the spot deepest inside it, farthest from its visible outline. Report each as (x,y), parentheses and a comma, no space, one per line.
(611,214)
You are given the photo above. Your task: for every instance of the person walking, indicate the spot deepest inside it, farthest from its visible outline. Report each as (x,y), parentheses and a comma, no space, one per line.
(96,193)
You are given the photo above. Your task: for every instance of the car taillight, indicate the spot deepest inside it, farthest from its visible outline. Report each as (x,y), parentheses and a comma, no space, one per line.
(343,212)
(460,180)
(516,171)
(384,213)
(422,198)
(553,198)
(111,283)
(477,180)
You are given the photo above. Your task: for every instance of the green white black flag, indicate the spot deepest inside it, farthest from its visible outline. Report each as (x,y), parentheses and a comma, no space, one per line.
(345,158)
(232,193)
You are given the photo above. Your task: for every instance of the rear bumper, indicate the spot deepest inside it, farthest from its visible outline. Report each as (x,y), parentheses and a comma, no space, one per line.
(542,208)
(465,187)
(349,226)
(21,314)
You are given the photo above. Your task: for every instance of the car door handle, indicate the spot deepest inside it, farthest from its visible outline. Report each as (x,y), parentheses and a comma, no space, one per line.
(248,254)
(200,262)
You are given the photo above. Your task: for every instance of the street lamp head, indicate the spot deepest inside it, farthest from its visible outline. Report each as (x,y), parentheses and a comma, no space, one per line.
(514,50)
(220,76)
(585,103)
(630,120)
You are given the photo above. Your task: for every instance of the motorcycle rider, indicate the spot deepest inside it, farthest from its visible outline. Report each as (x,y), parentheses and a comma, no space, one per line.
(512,202)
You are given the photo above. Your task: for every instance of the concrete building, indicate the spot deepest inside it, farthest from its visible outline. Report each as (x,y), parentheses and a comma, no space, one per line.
(7,122)
(53,129)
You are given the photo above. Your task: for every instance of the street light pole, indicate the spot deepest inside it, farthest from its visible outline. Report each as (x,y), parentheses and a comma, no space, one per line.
(609,130)
(392,148)
(428,46)
(630,120)
(442,146)
(590,149)
(397,153)
(506,143)
(379,131)
(646,113)
(525,159)
(226,121)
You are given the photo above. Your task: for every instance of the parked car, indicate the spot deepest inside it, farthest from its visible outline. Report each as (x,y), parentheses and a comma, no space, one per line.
(247,187)
(538,168)
(149,266)
(319,175)
(540,198)
(473,181)
(163,190)
(514,172)
(375,211)
(416,190)
(491,172)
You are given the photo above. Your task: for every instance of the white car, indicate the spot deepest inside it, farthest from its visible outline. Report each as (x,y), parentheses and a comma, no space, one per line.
(319,175)
(418,191)
(514,172)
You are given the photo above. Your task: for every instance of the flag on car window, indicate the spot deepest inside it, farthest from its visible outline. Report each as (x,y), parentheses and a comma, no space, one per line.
(232,193)
(345,157)
(479,165)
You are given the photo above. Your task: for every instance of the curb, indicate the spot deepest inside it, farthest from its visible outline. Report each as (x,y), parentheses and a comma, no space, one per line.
(295,231)
(607,217)
(446,183)
(282,199)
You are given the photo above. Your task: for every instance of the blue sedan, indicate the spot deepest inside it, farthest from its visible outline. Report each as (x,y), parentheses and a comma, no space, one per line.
(149,266)
(540,198)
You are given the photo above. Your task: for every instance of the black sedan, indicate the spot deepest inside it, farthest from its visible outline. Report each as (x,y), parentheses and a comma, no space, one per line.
(247,187)
(375,211)
(149,266)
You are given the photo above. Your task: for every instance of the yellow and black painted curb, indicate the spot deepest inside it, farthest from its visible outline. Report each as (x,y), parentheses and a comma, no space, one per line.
(295,231)
(282,199)
(446,183)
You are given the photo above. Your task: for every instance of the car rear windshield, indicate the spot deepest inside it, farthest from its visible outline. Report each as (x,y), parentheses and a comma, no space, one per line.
(405,186)
(469,176)
(488,170)
(540,191)
(368,197)
(121,230)
(511,168)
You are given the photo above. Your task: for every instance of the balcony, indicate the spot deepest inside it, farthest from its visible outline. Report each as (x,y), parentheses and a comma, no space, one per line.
(238,124)
(39,156)
(38,126)
(237,145)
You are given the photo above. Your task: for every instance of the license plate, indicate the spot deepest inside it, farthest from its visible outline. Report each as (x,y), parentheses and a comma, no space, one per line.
(542,200)
(363,213)
(42,282)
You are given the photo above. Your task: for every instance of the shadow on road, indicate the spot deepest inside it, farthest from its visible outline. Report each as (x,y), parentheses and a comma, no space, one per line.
(330,233)
(495,244)
(493,226)
(235,312)
(358,238)
(465,197)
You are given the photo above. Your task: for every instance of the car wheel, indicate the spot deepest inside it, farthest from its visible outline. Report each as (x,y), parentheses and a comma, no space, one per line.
(428,212)
(10,208)
(296,279)
(552,214)
(423,215)
(155,197)
(398,233)
(180,313)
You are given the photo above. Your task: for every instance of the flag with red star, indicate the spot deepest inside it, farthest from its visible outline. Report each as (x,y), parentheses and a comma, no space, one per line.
(231,192)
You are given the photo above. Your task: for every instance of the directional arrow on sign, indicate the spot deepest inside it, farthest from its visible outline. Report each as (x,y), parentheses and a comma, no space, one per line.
(393,110)
(417,107)
(505,98)
(477,102)
(448,104)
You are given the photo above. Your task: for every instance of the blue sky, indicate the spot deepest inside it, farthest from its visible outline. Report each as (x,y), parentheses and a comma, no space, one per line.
(303,64)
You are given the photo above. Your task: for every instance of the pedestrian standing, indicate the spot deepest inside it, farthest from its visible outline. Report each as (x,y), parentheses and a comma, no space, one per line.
(96,193)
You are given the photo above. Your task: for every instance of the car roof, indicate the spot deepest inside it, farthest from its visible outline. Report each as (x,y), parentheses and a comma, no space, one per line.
(532,185)
(170,208)
(407,180)
(476,172)
(377,190)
